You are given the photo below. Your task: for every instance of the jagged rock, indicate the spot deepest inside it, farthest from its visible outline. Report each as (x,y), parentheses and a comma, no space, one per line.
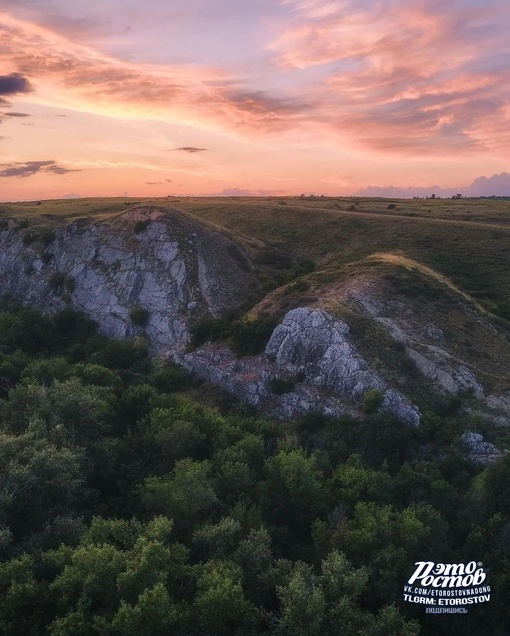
(438,367)
(499,402)
(449,374)
(171,266)
(480,451)
(246,378)
(434,333)
(249,379)
(311,346)
(499,409)
(313,343)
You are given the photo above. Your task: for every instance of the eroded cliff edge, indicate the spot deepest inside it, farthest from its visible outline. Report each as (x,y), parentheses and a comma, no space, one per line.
(157,260)
(154,272)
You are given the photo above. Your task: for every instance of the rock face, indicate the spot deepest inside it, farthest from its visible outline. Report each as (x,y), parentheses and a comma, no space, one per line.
(426,348)
(314,345)
(312,348)
(479,450)
(155,258)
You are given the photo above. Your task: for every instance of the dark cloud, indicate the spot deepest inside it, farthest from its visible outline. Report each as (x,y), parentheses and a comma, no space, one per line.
(190,149)
(14,84)
(13,116)
(29,168)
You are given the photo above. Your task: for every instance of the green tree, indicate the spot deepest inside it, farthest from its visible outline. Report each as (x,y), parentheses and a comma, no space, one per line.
(220,606)
(303,605)
(187,495)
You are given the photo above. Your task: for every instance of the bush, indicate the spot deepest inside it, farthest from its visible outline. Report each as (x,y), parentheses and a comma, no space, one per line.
(45,236)
(140,226)
(116,354)
(250,338)
(74,326)
(26,330)
(69,284)
(372,401)
(139,316)
(305,267)
(28,238)
(282,385)
(392,206)
(244,337)
(169,378)
(209,329)
(57,280)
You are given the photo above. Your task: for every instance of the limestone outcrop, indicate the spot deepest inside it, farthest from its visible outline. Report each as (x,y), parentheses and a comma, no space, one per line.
(426,347)
(479,450)
(312,348)
(157,259)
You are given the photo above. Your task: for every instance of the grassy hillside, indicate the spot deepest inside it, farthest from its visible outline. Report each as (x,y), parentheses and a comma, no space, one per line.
(468,241)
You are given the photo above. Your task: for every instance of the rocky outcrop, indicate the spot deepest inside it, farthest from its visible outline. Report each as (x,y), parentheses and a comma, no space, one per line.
(425,346)
(311,349)
(450,375)
(158,259)
(314,345)
(480,451)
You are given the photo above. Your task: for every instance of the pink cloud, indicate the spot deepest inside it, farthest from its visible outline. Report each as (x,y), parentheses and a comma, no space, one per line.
(94,82)
(400,77)
(405,77)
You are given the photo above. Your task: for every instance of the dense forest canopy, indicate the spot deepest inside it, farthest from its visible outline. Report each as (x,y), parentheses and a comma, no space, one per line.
(135,501)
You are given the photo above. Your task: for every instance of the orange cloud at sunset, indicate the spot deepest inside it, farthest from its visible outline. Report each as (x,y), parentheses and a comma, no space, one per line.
(297,96)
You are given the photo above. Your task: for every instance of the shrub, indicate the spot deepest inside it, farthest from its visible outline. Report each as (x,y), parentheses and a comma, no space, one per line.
(169,378)
(140,226)
(209,329)
(45,236)
(116,354)
(305,267)
(74,326)
(69,284)
(372,401)
(28,238)
(244,337)
(282,385)
(26,330)
(250,338)
(392,206)
(139,316)
(57,280)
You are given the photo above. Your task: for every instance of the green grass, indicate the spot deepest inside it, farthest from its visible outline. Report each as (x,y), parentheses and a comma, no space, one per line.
(467,240)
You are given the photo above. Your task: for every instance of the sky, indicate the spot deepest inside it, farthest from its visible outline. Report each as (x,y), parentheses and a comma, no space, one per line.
(269,97)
